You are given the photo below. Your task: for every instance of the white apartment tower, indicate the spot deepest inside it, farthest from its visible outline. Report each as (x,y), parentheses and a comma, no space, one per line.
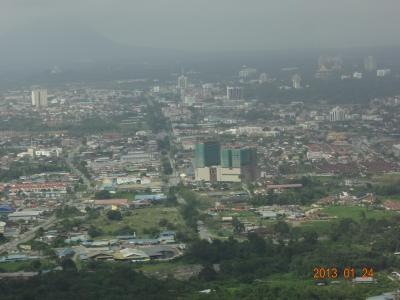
(263,78)
(182,82)
(234,93)
(370,64)
(296,79)
(39,98)
(337,114)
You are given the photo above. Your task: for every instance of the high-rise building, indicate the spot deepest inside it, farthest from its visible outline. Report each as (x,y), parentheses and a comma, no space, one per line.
(263,78)
(230,158)
(39,98)
(244,159)
(234,93)
(337,114)
(370,64)
(246,73)
(207,154)
(296,79)
(233,164)
(182,82)
(207,90)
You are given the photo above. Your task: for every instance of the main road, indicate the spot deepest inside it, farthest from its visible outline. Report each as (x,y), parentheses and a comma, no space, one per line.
(69,160)
(204,234)
(27,236)
(30,234)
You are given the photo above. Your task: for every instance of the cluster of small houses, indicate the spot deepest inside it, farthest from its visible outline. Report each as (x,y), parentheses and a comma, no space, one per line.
(294,213)
(48,186)
(28,215)
(121,248)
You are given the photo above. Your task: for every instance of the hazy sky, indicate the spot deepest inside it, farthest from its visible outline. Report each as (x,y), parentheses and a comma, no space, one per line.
(219,24)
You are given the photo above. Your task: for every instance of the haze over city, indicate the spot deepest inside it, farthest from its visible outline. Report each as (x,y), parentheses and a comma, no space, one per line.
(223,25)
(199,150)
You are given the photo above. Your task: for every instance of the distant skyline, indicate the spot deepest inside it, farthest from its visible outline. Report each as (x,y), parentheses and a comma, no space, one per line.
(218,25)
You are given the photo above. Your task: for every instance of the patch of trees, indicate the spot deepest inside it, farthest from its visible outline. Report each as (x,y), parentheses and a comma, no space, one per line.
(125,230)
(107,283)
(102,195)
(190,210)
(3,239)
(388,189)
(166,165)
(91,125)
(286,290)
(23,124)
(302,196)
(82,166)
(94,231)
(27,168)
(155,119)
(369,243)
(244,265)
(92,213)
(311,191)
(164,144)
(114,215)
(167,224)
(68,212)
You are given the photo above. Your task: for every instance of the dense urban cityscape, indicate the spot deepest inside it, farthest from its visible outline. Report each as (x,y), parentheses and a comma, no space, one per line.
(218,171)
(147,171)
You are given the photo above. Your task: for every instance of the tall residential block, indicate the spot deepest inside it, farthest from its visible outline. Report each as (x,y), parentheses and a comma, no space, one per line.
(337,114)
(39,98)
(182,82)
(244,159)
(296,79)
(207,154)
(234,93)
(370,64)
(233,164)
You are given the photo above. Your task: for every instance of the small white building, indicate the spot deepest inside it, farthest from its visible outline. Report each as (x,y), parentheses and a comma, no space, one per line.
(25,215)
(396,150)
(383,72)
(2,227)
(265,214)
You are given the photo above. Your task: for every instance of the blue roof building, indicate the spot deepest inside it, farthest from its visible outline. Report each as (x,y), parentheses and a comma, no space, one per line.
(66,252)
(6,209)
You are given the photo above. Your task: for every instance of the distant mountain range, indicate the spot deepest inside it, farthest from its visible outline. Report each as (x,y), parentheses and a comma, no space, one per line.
(76,52)
(39,46)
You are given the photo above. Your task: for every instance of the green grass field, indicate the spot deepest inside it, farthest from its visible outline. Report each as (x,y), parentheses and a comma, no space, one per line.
(15,266)
(160,266)
(396,198)
(141,219)
(341,212)
(24,266)
(356,212)
(239,214)
(321,227)
(177,269)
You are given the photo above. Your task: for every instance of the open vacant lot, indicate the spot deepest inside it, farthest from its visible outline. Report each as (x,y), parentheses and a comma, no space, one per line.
(141,219)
